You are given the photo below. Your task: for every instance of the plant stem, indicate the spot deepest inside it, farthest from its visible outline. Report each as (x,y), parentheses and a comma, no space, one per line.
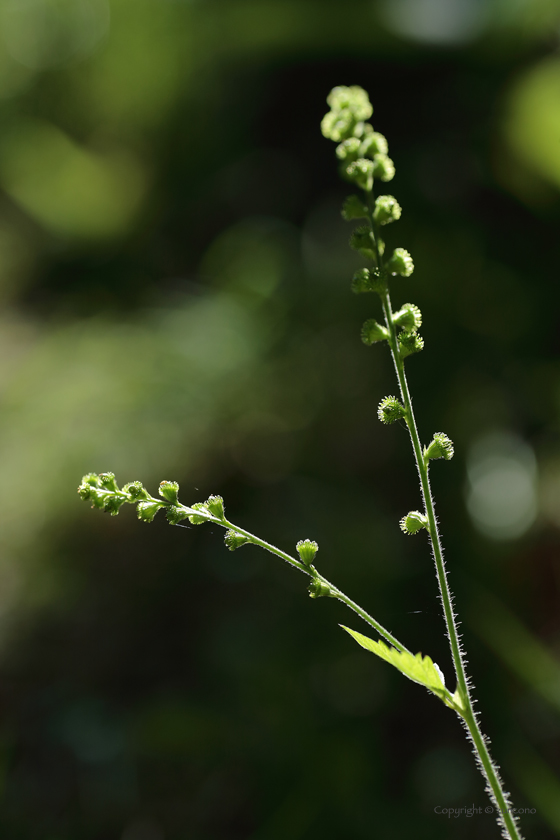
(485,762)
(314,574)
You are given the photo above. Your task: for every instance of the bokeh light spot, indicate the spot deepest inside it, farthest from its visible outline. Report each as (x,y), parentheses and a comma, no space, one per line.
(501,494)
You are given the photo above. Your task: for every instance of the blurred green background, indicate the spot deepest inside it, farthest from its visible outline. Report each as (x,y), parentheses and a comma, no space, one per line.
(174,279)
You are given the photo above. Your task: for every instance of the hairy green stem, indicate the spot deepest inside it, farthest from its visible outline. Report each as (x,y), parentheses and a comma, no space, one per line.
(468,714)
(336,592)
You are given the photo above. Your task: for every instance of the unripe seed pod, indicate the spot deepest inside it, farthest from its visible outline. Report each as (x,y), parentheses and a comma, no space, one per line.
(409,343)
(353,208)
(440,447)
(88,484)
(374,144)
(400,262)
(175,514)
(383,168)
(362,241)
(147,510)
(387,209)
(234,540)
(361,171)
(318,589)
(354,98)
(372,332)
(348,149)
(135,491)
(413,522)
(338,125)
(307,549)
(215,505)
(107,480)
(408,317)
(169,490)
(112,504)
(390,410)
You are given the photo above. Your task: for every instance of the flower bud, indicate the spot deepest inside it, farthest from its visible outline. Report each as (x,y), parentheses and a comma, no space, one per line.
(409,343)
(390,410)
(136,491)
(107,480)
(196,519)
(383,168)
(373,144)
(372,332)
(353,208)
(234,540)
(367,280)
(440,447)
(147,510)
(318,589)
(413,522)
(338,125)
(362,129)
(89,483)
(169,490)
(387,209)
(175,514)
(408,317)
(362,241)
(354,97)
(348,149)
(400,263)
(307,549)
(112,504)
(361,171)
(215,505)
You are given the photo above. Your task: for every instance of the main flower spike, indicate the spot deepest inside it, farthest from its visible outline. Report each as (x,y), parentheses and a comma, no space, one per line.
(366,163)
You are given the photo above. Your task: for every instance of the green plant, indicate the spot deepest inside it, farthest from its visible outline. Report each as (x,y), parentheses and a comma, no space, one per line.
(363,160)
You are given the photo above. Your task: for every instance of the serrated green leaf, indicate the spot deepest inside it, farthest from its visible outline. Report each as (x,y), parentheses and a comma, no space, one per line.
(420,669)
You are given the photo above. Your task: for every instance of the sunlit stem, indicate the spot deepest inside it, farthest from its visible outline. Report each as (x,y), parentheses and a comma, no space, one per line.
(486,764)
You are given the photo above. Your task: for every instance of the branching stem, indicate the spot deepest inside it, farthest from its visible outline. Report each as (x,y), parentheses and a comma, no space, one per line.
(313,573)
